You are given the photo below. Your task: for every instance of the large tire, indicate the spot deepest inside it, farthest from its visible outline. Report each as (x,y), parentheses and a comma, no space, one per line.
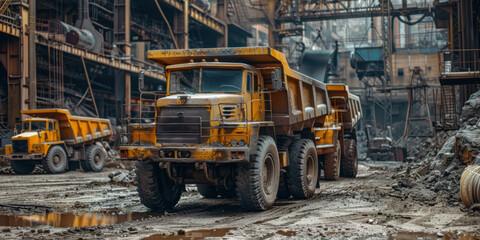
(22,167)
(333,162)
(156,190)
(226,193)
(257,181)
(283,192)
(95,158)
(56,160)
(349,167)
(207,190)
(302,173)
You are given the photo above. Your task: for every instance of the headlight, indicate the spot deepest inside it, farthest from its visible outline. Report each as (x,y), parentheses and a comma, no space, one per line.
(234,142)
(241,143)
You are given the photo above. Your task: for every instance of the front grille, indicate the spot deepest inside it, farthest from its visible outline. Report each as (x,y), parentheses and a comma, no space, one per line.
(228,112)
(187,125)
(20,146)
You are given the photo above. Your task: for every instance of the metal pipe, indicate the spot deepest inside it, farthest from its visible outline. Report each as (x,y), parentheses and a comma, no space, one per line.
(470,185)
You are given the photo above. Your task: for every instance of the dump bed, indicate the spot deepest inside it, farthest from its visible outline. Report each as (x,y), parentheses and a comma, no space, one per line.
(345,103)
(75,129)
(303,101)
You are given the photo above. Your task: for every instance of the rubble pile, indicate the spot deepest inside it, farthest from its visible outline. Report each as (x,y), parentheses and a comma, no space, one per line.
(435,178)
(123,177)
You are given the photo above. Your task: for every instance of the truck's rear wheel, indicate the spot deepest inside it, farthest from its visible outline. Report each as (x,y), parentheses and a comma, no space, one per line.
(302,173)
(207,190)
(95,158)
(22,167)
(333,162)
(156,190)
(349,165)
(56,160)
(257,181)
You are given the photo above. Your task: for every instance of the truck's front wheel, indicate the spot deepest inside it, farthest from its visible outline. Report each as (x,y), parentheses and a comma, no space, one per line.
(22,167)
(156,190)
(257,181)
(95,158)
(350,162)
(333,162)
(56,160)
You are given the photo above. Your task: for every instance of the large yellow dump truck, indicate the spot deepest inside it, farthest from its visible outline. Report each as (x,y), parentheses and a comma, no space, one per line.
(236,122)
(346,112)
(52,137)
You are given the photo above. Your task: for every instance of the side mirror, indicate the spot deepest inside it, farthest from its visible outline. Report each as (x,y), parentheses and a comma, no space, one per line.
(277,83)
(141,80)
(38,132)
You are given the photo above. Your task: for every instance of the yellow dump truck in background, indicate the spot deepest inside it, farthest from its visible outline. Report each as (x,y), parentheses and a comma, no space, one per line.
(240,122)
(53,137)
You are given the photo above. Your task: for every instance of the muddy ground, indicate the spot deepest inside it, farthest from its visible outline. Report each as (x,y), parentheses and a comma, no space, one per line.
(363,208)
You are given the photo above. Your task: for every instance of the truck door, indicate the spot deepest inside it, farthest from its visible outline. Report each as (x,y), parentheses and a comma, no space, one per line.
(51,135)
(254,87)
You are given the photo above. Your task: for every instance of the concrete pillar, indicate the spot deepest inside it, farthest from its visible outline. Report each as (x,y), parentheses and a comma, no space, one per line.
(119,94)
(222,40)
(128,85)
(32,55)
(180,25)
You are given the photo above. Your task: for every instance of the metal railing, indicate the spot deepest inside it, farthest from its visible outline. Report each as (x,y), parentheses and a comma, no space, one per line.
(460,63)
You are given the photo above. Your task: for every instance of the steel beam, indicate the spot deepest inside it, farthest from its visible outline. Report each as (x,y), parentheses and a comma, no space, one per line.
(200,16)
(100,59)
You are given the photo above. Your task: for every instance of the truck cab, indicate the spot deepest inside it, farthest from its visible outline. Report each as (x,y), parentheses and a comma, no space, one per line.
(35,132)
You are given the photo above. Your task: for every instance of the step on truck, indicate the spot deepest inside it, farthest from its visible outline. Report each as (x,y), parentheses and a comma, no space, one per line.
(53,138)
(237,122)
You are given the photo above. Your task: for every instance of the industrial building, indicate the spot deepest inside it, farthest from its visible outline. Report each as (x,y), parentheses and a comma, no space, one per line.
(57,53)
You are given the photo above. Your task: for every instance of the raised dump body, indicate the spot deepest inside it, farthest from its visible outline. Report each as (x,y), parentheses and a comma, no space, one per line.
(53,137)
(235,121)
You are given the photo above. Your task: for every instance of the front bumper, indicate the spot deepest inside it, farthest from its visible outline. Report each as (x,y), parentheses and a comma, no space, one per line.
(26,156)
(186,154)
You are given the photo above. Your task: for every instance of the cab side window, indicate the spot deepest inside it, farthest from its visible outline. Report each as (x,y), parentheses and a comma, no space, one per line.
(256,87)
(249,82)
(49,126)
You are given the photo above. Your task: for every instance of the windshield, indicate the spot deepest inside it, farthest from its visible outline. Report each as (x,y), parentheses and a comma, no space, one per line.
(210,79)
(34,126)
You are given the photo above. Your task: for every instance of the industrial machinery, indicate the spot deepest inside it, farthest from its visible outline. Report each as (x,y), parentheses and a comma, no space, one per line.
(240,121)
(53,137)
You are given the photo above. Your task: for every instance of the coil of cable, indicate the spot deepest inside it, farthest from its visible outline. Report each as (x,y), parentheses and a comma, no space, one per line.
(470,185)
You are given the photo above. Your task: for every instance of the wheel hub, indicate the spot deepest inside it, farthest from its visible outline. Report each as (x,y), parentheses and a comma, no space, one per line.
(267,174)
(56,160)
(96,159)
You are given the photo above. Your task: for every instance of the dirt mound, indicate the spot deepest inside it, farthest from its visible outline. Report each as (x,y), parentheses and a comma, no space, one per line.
(434,178)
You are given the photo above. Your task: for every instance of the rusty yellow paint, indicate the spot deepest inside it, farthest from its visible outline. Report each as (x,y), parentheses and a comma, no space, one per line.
(134,152)
(143,133)
(204,154)
(8,149)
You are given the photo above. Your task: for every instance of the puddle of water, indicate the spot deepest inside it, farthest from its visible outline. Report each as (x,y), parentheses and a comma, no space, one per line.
(193,234)
(70,219)
(287,233)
